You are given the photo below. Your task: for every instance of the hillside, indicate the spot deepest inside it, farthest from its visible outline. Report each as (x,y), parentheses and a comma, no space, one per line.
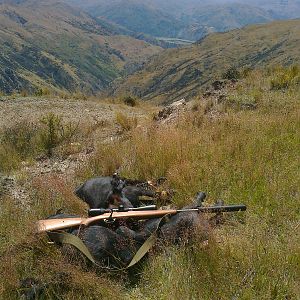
(184,72)
(48,44)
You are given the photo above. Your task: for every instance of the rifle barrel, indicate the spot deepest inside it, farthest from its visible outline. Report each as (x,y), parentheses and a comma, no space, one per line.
(216,209)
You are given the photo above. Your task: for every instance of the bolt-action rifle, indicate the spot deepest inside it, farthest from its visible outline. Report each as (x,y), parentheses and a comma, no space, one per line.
(139,213)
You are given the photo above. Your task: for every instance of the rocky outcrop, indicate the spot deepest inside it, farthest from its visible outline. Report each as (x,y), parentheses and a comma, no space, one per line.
(171,112)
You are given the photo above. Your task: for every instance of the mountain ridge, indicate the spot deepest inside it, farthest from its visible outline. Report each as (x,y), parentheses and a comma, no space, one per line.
(188,20)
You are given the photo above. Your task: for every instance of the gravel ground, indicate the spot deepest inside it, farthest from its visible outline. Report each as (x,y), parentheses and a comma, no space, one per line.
(16,109)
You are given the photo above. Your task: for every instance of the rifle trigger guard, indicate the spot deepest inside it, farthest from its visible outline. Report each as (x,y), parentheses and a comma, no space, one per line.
(110,219)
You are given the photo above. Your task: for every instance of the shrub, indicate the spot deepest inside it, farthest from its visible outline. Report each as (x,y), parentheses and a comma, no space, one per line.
(130,101)
(42,92)
(232,74)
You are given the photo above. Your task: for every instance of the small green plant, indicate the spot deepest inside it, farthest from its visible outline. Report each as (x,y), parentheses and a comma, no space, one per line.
(55,133)
(284,78)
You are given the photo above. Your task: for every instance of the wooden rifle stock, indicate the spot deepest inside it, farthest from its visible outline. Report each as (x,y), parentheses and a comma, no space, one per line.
(57,224)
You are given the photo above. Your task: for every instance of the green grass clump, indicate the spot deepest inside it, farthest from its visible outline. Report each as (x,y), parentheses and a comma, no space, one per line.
(232,74)
(18,142)
(130,101)
(284,78)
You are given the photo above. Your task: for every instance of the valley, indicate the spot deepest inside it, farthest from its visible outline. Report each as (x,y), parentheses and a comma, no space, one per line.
(189,20)
(183,73)
(95,48)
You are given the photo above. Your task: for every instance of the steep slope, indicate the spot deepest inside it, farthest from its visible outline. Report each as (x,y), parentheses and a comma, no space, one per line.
(50,44)
(183,72)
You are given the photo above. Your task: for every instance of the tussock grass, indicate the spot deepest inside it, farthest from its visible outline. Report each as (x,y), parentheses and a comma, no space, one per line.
(240,155)
(126,123)
(249,156)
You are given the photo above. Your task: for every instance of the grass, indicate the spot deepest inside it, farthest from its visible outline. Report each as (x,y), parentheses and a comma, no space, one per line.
(284,78)
(241,156)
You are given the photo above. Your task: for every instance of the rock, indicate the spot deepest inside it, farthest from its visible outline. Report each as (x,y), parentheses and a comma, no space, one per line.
(171,111)
(219,84)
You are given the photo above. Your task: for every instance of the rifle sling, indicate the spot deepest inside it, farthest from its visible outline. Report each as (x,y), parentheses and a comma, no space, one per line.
(61,237)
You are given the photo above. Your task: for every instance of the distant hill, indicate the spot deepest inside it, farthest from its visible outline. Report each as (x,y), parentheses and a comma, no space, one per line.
(279,9)
(178,73)
(188,19)
(222,18)
(139,17)
(50,44)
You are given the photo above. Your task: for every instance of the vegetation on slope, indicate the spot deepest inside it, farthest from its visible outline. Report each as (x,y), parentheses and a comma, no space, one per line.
(179,73)
(235,152)
(49,44)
